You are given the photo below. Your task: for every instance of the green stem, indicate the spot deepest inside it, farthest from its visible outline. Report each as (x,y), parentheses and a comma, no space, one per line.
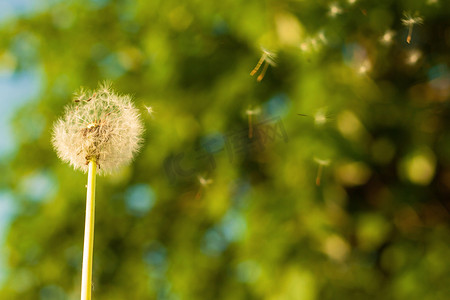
(86,278)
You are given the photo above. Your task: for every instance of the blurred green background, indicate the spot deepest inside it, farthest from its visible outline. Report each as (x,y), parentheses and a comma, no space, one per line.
(376,124)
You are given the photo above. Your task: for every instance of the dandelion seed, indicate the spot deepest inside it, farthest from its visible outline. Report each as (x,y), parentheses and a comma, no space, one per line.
(250,113)
(409,21)
(91,97)
(334,10)
(204,183)
(320,117)
(267,58)
(102,126)
(322,163)
(387,37)
(149,110)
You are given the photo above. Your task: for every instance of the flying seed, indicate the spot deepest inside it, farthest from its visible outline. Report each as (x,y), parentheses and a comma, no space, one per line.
(267,58)
(204,183)
(322,163)
(409,21)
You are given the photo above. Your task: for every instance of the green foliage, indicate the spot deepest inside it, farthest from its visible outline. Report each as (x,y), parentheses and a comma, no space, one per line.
(376,123)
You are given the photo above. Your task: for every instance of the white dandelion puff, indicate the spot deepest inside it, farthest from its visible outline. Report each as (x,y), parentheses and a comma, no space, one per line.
(101,126)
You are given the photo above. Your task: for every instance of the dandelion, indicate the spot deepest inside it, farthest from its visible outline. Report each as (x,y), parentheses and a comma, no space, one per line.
(409,21)
(322,163)
(268,58)
(250,113)
(204,183)
(100,129)
(387,37)
(320,118)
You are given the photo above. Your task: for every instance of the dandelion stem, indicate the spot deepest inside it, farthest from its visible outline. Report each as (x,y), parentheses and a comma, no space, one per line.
(86,278)
(263,72)
(258,65)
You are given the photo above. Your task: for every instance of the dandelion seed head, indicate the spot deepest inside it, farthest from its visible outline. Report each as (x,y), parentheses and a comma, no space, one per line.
(101,126)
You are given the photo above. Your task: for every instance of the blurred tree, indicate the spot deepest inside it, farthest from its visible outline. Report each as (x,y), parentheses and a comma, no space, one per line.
(257,226)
